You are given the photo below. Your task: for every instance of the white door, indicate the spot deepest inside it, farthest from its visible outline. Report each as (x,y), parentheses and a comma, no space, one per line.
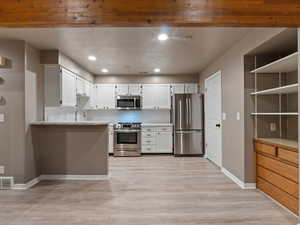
(162,93)
(135,89)
(68,86)
(213,111)
(105,96)
(148,96)
(164,142)
(122,89)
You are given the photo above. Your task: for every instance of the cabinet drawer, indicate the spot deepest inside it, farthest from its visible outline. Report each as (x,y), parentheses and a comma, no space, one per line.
(288,155)
(148,149)
(164,129)
(148,129)
(278,167)
(148,141)
(267,149)
(148,134)
(281,182)
(285,199)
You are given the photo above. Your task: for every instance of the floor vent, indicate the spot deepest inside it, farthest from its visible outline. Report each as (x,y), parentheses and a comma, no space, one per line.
(6,183)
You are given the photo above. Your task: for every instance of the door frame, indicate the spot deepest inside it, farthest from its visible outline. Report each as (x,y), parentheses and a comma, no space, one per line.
(218,73)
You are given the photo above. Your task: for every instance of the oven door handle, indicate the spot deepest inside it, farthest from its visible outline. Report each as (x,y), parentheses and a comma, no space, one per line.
(127,131)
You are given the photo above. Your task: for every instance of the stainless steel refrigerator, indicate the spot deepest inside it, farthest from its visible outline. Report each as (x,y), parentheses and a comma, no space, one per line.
(187,118)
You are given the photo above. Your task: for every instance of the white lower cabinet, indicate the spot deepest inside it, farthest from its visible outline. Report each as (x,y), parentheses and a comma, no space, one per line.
(157,139)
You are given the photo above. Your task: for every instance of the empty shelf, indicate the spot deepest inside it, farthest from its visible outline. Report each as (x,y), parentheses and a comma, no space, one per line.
(286,64)
(293,88)
(276,114)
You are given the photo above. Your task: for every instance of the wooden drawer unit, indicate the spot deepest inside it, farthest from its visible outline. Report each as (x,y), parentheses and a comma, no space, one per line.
(277,173)
(267,149)
(287,155)
(278,167)
(285,199)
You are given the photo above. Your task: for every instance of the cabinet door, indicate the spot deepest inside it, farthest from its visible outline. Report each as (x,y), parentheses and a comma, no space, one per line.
(122,89)
(178,88)
(164,142)
(191,88)
(105,96)
(80,86)
(135,89)
(92,95)
(149,96)
(162,94)
(87,88)
(68,88)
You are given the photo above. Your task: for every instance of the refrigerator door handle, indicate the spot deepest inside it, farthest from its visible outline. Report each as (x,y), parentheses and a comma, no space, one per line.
(190,112)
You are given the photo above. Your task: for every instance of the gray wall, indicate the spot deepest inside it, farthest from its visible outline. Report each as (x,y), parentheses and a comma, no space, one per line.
(147,79)
(237,158)
(12,88)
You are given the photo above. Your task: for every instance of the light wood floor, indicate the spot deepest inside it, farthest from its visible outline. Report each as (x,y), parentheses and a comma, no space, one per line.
(154,190)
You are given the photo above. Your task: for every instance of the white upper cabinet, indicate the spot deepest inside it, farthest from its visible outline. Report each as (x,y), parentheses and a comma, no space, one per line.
(162,96)
(122,89)
(80,86)
(68,88)
(178,88)
(156,96)
(135,89)
(128,89)
(191,88)
(148,97)
(105,96)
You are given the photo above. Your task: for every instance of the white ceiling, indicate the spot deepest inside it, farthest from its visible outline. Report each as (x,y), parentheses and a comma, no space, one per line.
(134,50)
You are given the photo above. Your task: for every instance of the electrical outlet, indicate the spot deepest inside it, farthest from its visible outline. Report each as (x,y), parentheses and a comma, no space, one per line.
(238,116)
(273,127)
(2,169)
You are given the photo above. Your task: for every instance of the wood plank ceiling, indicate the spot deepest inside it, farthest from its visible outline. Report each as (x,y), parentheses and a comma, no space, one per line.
(38,13)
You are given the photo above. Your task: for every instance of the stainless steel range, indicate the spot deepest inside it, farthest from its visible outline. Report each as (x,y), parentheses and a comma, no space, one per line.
(127,139)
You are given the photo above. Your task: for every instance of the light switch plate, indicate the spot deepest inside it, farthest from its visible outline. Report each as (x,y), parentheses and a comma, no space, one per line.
(2,170)
(224,116)
(238,116)
(2,117)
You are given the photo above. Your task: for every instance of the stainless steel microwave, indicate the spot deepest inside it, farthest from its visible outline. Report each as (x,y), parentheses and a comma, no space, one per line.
(129,102)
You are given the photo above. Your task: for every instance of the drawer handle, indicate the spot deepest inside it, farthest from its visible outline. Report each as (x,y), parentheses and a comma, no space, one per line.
(276,151)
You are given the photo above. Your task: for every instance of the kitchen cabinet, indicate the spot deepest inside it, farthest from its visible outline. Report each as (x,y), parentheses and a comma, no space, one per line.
(191,88)
(158,139)
(128,89)
(277,170)
(156,96)
(80,86)
(105,96)
(60,87)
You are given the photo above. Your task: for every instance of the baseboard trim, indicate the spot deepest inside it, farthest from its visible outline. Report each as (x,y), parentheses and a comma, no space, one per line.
(237,180)
(58,177)
(74,177)
(27,185)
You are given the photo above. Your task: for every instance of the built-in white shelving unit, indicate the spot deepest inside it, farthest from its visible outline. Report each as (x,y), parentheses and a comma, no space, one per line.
(283,65)
(293,88)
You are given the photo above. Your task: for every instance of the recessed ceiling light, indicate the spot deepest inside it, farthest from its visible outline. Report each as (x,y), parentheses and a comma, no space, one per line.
(92,58)
(163,37)
(156,70)
(104,70)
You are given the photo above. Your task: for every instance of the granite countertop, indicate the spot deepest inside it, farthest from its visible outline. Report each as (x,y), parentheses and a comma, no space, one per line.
(71,123)
(279,141)
(157,124)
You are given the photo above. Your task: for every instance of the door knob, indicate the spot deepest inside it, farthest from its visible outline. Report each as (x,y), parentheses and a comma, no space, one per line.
(218,125)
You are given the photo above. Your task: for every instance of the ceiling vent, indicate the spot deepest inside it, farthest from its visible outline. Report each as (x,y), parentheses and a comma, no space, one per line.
(6,183)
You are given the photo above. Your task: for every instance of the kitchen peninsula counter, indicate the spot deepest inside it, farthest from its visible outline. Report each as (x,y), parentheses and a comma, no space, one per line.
(71,149)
